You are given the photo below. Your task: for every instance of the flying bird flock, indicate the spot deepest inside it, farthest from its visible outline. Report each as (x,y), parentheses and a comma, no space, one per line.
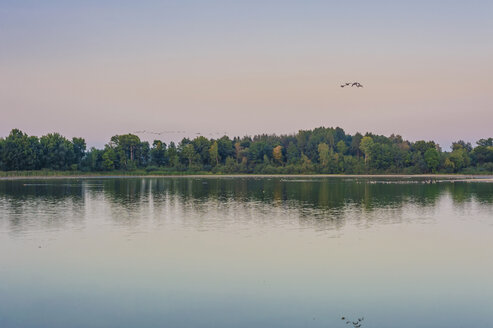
(354,84)
(176,132)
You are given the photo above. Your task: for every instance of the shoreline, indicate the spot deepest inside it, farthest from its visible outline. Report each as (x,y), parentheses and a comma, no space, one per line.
(476,177)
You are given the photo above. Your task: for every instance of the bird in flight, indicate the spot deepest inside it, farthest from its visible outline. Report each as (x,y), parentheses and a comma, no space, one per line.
(354,84)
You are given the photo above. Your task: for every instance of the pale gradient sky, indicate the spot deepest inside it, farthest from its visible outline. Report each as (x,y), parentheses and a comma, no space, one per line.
(99,68)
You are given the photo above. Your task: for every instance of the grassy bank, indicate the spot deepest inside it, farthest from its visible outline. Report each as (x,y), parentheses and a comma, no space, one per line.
(51,173)
(145,173)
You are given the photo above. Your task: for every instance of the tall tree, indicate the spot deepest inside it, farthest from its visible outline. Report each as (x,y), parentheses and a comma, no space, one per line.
(355,142)
(225,148)
(17,152)
(173,155)
(432,159)
(485,142)
(158,153)
(462,144)
(341,147)
(129,143)
(189,153)
(238,149)
(366,145)
(109,159)
(58,152)
(323,151)
(214,153)
(79,149)
(293,154)
(129,148)
(201,145)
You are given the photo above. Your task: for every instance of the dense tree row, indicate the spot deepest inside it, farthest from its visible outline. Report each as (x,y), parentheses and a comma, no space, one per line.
(321,150)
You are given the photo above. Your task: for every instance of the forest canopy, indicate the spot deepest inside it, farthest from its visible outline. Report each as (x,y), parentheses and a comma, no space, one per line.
(321,150)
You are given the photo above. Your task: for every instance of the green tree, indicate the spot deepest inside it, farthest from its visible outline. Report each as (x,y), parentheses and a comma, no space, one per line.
(109,159)
(128,148)
(144,154)
(422,146)
(323,153)
(462,144)
(482,154)
(173,155)
(79,145)
(366,145)
(341,147)
(355,143)
(432,159)
(382,156)
(202,145)
(58,152)
(460,158)
(93,161)
(238,151)
(293,154)
(158,153)
(19,152)
(225,148)
(485,142)
(449,165)
(230,165)
(189,153)
(332,148)
(306,164)
(258,150)
(214,153)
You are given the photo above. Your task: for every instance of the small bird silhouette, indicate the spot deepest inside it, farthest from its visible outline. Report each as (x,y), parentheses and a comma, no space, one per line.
(353,84)
(355,324)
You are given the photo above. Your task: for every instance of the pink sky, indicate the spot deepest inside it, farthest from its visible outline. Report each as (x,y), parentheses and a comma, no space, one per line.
(99,70)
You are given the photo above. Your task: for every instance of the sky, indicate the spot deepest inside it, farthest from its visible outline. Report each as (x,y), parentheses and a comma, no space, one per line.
(95,69)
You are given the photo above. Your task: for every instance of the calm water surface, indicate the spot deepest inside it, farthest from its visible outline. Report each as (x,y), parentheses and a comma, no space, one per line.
(245,252)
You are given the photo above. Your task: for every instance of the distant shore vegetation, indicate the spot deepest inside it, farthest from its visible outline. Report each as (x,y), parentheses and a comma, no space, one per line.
(318,151)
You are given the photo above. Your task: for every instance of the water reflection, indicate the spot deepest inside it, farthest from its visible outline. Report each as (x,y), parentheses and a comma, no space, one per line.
(32,205)
(211,203)
(245,252)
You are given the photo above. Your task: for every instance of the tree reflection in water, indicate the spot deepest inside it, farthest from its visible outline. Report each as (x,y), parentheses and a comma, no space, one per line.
(320,203)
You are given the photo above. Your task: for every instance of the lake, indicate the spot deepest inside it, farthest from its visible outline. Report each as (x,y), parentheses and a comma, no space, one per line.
(246,252)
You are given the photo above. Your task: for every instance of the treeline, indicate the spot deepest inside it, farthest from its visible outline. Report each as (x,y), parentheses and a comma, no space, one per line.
(321,150)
